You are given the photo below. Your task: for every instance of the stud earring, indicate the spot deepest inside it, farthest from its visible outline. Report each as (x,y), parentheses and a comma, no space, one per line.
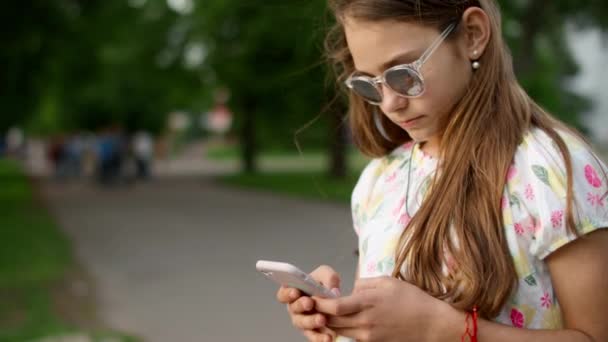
(475,65)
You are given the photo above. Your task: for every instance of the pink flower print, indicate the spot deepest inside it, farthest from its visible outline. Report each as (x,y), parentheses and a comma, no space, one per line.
(371,267)
(545,300)
(519,229)
(556,218)
(404,219)
(592,177)
(531,224)
(391,177)
(511,173)
(517,318)
(529,192)
(398,207)
(504,202)
(594,199)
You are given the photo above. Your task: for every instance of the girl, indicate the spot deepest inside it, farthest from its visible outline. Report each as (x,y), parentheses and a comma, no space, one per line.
(481,217)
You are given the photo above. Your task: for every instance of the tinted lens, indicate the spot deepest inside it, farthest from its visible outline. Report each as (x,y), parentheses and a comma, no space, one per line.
(405,82)
(366,90)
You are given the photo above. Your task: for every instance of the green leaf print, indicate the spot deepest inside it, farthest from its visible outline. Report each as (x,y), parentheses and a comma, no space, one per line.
(404,163)
(376,211)
(530,280)
(364,246)
(425,185)
(541,173)
(513,200)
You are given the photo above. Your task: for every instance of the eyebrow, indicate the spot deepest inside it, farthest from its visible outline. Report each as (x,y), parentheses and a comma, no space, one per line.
(402,58)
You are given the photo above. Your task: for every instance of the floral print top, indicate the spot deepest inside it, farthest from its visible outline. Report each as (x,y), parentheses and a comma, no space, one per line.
(533,204)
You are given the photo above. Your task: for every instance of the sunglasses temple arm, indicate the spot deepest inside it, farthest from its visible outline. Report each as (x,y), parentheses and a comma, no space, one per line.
(436,44)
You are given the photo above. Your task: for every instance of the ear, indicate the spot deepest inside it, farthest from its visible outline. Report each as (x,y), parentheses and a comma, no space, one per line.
(476,32)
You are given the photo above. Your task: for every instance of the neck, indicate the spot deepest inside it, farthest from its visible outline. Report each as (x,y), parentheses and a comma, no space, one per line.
(431,147)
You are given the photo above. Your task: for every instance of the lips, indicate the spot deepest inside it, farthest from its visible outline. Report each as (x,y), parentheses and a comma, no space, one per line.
(410,123)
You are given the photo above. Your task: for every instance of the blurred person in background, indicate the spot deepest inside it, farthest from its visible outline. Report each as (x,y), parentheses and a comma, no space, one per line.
(15,143)
(143,152)
(57,156)
(481,216)
(111,153)
(74,150)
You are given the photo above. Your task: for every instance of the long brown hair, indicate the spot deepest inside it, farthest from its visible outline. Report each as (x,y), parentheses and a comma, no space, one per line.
(488,123)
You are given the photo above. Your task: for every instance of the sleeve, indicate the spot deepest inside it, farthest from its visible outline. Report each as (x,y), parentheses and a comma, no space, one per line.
(362,192)
(546,187)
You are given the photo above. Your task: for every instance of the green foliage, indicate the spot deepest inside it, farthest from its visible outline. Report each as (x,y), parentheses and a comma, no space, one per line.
(536,33)
(71,64)
(267,53)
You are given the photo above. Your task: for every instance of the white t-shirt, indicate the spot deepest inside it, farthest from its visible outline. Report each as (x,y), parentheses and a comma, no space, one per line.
(534,202)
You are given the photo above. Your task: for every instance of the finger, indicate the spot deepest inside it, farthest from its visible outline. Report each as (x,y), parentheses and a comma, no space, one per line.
(341,306)
(309,322)
(327,276)
(302,305)
(342,322)
(356,334)
(288,295)
(315,336)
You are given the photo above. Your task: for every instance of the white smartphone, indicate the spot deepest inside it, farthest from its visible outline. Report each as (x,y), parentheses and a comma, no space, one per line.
(288,275)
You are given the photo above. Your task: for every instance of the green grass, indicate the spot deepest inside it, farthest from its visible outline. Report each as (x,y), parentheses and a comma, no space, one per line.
(34,256)
(316,186)
(294,174)
(231,152)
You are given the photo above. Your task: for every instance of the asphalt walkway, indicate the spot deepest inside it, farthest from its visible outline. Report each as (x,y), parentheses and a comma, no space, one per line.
(174,259)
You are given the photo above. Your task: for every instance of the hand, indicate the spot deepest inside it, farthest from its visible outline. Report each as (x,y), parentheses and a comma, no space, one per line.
(384,309)
(302,310)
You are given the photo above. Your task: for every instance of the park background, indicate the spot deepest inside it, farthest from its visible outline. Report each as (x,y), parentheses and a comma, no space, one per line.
(151,151)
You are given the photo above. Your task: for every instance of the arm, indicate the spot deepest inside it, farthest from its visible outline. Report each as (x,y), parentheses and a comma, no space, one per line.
(579,272)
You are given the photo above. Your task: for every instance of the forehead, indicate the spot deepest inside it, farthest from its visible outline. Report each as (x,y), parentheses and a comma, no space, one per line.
(372,44)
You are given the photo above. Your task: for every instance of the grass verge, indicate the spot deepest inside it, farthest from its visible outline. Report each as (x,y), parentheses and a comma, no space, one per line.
(311,185)
(34,257)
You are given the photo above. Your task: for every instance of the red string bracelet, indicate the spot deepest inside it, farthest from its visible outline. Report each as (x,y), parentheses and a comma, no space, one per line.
(470,331)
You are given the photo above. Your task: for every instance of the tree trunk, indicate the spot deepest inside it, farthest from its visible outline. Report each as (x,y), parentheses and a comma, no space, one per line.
(248,146)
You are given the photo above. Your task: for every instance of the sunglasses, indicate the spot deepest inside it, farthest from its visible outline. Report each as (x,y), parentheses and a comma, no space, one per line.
(405,79)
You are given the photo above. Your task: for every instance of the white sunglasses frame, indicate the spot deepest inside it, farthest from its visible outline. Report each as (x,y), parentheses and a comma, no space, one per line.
(414,67)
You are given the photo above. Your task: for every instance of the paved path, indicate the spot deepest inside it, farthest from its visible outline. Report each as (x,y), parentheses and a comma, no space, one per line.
(174,259)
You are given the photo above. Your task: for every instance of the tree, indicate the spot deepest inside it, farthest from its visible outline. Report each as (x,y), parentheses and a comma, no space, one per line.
(266,53)
(536,33)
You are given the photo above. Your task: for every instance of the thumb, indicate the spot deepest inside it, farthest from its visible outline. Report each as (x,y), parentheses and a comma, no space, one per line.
(327,276)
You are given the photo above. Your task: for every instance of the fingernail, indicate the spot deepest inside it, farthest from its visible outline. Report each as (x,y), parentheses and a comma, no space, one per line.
(336,291)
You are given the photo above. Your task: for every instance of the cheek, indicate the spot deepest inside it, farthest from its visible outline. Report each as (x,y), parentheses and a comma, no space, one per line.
(447,84)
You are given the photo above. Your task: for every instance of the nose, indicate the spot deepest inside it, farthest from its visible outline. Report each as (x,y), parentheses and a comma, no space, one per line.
(391,101)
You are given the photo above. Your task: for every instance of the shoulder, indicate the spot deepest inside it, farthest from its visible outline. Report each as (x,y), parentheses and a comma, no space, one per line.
(538,187)
(539,158)
(378,169)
